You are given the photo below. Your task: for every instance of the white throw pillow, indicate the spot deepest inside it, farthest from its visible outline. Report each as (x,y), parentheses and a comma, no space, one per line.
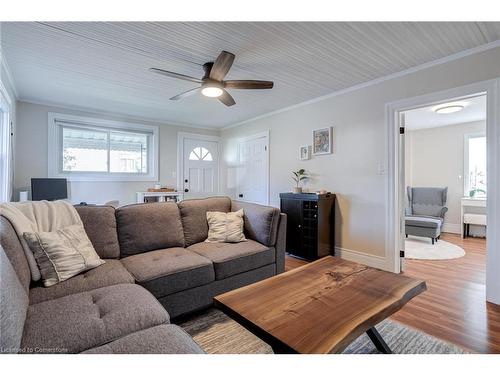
(225,227)
(63,253)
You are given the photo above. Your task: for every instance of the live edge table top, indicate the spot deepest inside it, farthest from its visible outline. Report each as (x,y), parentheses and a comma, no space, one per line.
(320,307)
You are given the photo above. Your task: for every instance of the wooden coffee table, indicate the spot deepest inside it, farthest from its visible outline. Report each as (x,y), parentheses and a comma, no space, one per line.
(320,307)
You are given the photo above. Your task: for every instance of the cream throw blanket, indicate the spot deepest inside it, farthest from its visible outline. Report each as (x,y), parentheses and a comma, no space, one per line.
(38,216)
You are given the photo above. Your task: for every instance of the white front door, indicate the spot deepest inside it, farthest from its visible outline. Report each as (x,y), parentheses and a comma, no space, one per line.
(200,168)
(253,171)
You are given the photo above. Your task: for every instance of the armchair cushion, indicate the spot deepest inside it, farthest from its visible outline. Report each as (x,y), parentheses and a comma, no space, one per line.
(427,201)
(423,221)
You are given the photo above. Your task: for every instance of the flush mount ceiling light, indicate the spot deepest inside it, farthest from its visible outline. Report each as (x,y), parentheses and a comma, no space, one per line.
(448,108)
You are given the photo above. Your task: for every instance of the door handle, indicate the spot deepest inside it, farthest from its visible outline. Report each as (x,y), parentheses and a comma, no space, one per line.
(186,190)
(240,195)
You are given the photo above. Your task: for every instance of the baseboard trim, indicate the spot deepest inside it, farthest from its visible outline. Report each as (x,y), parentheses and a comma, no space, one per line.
(363,258)
(451,228)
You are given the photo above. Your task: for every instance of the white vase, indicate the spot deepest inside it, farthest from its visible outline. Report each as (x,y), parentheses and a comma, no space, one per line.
(297,190)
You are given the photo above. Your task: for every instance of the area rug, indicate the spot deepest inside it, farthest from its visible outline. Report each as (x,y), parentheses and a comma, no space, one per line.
(216,333)
(421,248)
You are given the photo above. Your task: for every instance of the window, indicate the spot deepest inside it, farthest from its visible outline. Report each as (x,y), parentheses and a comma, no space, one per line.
(475,166)
(93,149)
(200,153)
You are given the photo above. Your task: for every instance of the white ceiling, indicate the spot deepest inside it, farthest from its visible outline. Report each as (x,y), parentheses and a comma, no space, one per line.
(104,66)
(425,117)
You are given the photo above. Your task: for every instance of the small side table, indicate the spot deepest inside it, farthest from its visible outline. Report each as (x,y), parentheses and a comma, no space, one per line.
(174,196)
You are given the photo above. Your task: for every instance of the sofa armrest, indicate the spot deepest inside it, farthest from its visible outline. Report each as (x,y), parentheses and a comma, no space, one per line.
(281,244)
(261,222)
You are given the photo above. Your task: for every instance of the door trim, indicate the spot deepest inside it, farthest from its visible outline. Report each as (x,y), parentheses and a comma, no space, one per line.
(491,89)
(181,136)
(265,135)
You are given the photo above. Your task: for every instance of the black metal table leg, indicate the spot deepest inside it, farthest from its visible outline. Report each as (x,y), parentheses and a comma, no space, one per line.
(378,341)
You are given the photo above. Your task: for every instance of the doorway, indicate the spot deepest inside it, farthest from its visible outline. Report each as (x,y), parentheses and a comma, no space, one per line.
(471,282)
(198,165)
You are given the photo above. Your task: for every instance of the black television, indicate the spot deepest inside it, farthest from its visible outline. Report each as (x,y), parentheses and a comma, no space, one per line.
(49,189)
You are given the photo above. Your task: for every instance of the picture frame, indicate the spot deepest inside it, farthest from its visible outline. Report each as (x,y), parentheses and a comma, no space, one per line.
(305,152)
(322,141)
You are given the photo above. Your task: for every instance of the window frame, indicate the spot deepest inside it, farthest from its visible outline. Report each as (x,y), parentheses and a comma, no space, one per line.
(55,148)
(6,143)
(466,186)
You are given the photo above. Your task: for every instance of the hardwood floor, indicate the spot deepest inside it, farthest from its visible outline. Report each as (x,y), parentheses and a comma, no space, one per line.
(454,307)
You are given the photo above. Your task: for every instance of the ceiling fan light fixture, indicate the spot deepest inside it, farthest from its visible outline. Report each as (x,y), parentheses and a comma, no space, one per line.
(212,91)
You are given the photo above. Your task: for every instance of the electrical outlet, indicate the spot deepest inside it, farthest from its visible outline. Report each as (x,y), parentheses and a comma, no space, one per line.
(381,168)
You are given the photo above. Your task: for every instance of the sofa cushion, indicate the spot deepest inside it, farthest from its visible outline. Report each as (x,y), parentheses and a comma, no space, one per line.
(85,320)
(149,226)
(423,221)
(15,252)
(13,306)
(233,258)
(261,222)
(162,339)
(167,271)
(110,273)
(194,216)
(100,224)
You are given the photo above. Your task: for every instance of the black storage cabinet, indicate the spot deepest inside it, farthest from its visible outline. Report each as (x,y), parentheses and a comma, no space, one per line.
(310,224)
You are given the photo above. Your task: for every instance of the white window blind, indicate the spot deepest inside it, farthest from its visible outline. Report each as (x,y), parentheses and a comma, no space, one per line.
(102,150)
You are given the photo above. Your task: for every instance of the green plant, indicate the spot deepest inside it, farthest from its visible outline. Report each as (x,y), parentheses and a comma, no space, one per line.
(299,175)
(473,192)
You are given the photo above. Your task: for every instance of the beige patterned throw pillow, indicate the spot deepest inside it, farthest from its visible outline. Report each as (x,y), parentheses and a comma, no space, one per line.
(63,253)
(225,227)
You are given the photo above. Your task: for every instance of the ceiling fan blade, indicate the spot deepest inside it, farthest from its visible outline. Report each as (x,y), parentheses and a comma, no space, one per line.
(185,94)
(227,99)
(248,84)
(175,75)
(222,65)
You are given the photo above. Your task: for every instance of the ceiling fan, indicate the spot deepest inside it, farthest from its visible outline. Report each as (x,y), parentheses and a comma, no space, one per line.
(212,83)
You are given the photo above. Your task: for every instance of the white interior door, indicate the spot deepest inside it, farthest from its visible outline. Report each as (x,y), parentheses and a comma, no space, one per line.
(200,168)
(253,171)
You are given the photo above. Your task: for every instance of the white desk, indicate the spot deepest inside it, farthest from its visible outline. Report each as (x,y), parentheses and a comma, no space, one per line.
(162,196)
(467,203)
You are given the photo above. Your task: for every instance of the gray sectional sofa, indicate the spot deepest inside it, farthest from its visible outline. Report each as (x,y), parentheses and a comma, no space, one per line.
(157,268)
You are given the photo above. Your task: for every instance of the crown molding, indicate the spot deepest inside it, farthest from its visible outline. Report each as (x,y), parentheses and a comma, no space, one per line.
(443,60)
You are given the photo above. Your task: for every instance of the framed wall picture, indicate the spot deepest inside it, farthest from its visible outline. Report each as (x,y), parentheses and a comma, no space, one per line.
(305,152)
(322,141)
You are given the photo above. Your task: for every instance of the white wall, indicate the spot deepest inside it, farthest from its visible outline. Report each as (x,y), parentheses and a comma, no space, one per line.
(360,140)
(436,158)
(31,156)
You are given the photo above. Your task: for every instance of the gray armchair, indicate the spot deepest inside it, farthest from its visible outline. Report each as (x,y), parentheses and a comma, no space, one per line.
(425,212)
